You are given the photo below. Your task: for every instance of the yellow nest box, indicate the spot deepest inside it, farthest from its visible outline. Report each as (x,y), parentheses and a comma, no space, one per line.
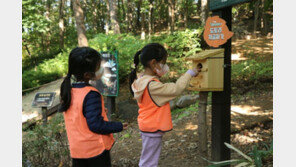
(211,76)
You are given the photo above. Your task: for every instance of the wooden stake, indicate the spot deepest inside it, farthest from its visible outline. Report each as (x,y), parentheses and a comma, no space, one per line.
(202,127)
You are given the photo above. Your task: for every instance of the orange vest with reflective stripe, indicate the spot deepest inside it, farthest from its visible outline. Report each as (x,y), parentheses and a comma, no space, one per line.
(153,118)
(83,142)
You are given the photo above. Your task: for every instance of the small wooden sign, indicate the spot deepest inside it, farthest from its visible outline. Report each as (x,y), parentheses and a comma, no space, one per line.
(216,32)
(44,99)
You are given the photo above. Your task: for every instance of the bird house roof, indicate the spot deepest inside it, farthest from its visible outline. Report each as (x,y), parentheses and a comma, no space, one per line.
(206,54)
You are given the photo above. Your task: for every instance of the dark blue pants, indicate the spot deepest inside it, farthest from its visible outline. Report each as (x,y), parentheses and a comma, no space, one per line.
(102,160)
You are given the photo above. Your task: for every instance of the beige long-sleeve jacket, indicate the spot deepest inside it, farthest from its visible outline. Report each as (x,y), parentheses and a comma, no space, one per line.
(161,93)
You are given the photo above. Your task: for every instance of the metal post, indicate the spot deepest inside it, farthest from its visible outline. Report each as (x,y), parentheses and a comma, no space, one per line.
(221,101)
(110,106)
(44,115)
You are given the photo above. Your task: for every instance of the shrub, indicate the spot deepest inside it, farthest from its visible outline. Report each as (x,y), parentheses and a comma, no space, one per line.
(46,145)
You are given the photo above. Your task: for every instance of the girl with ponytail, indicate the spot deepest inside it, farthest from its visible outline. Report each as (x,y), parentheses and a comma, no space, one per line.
(88,130)
(154,115)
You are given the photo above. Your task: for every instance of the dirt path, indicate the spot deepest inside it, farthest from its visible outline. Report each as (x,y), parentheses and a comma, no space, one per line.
(180,145)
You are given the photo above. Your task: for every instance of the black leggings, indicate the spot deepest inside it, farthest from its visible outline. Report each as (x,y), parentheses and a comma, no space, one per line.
(102,160)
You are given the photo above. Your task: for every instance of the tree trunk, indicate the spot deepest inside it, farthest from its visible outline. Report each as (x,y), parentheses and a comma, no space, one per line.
(129,15)
(202,127)
(256,14)
(173,15)
(47,16)
(79,17)
(61,24)
(113,16)
(94,9)
(107,17)
(169,18)
(186,14)
(142,23)
(204,11)
(264,18)
(150,17)
(138,13)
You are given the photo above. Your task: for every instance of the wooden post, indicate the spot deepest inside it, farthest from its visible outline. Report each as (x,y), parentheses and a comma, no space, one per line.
(110,106)
(221,101)
(44,115)
(202,127)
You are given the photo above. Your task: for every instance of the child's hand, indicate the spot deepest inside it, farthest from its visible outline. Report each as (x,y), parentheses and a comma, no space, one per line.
(125,126)
(194,72)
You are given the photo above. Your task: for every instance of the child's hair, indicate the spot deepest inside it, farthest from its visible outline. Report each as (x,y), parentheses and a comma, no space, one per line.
(146,54)
(81,60)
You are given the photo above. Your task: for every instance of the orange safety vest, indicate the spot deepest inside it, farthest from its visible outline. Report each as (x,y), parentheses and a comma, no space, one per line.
(83,142)
(153,118)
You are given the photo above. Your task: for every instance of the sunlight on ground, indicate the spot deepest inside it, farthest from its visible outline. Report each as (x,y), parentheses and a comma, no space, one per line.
(190,126)
(237,57)
(245,109)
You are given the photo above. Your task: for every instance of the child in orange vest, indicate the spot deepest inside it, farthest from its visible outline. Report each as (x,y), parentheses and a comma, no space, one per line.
(153,98)
(88,130)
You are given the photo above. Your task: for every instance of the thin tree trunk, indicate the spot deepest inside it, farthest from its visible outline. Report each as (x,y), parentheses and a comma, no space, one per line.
(173,15)
(186,14)
(27,48)
(61,23)
(264,18)
(47,16)
(107,17)
(94,5)
(204,11)
(129,15)
(150,18)
(256,13)
(169,16)
(202,127)
(79,17)
(73,13)
(142,23)
(124,15)
(138,13)
(113,16)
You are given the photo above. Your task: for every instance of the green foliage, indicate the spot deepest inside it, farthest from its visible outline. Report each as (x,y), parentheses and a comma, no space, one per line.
(45,72)
(46,145)
(254,161)
(126,45)
(252,72)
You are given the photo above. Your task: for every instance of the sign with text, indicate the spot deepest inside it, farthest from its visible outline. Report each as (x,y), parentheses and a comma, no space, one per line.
(218,4)
(216,32)
(108,85)
(43,99)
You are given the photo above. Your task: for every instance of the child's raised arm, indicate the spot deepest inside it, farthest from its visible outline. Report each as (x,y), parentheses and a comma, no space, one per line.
(161,93)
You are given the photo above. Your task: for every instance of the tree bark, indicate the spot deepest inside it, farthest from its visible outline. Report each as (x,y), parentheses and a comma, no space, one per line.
(264,18)
(107,17)
(169,18)
(204,11)
(94,5)
(150,17)
(113,17)
(186,14)
(79,17)
(202,127)
(129,15)
(61,23)
(256,14)
(142,22)
(47,16)
(138,13)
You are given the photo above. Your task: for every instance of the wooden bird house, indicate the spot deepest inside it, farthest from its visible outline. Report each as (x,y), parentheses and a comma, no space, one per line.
(211,63)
